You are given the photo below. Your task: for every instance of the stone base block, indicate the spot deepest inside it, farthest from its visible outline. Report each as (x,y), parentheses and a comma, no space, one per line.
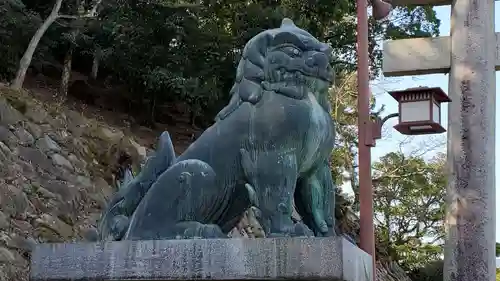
(199,259)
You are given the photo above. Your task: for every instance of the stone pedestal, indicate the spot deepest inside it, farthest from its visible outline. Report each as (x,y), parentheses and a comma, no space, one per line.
(225,259)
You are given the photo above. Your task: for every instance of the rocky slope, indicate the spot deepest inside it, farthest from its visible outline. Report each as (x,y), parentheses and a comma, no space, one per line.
(56,170)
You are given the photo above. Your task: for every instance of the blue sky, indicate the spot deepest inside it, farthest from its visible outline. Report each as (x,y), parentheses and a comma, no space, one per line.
(392,139)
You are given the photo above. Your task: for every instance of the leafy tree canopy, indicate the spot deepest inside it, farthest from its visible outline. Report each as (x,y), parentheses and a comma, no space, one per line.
(409,205)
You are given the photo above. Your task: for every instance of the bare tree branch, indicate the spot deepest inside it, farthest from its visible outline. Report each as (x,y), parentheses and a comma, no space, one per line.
(92,13)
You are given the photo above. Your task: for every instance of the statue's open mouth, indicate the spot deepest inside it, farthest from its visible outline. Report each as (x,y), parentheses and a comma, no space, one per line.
(289,78)
(294,83)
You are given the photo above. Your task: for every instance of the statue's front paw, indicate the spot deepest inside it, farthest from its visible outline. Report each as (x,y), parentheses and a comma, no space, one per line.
(327,229)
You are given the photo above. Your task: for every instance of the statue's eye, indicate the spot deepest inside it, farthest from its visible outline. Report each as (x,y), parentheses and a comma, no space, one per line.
(292,51)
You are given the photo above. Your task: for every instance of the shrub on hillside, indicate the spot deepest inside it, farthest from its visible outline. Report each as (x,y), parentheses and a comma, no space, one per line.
(430,272)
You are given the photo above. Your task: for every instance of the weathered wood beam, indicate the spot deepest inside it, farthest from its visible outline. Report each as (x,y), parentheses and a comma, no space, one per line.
(421,56)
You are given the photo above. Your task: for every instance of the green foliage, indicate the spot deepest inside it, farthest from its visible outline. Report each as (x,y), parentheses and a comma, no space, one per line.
(409,206)
(163,50)
(343,99)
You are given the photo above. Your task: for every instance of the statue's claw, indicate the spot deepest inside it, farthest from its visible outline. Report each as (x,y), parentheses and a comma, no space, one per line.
(252,195)
(319,220)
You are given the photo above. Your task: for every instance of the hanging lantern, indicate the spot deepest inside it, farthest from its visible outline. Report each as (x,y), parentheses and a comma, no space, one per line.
(420,110)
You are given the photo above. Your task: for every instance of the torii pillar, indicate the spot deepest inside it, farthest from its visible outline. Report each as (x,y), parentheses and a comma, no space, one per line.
(470,56)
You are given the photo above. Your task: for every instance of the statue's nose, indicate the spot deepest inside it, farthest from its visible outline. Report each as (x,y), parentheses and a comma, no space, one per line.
(317,60)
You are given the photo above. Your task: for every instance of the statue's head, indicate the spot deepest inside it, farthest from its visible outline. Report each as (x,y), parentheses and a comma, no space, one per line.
(287,60)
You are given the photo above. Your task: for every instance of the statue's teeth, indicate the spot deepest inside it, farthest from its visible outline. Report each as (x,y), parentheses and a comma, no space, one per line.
(299,76)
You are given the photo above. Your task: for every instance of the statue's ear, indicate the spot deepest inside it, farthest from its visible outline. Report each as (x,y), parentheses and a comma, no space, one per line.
(256,49)
(239,71)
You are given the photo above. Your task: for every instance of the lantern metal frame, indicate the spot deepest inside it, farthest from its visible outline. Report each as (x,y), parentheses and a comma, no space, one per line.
(435,96)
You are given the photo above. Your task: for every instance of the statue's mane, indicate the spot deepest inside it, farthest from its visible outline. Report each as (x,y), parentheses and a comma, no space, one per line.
(249,74)
(250,71)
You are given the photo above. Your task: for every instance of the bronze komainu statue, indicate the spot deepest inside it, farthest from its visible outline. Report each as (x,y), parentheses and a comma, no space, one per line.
(268,149)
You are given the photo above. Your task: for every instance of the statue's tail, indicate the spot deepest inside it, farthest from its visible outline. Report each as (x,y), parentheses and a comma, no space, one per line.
(133,189)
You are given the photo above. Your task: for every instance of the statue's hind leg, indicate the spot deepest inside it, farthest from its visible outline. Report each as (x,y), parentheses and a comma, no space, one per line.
(177,205)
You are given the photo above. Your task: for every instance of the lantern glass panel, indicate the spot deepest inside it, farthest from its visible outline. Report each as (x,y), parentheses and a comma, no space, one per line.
(435,113)
(415,111)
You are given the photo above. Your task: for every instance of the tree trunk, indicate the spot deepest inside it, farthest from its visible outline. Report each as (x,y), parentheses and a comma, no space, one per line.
(95,63)
(68,60)
(152,106)
(25,62)
(66,73)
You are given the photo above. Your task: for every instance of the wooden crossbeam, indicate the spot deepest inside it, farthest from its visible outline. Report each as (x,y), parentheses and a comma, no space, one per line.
(421,56)
(421,2)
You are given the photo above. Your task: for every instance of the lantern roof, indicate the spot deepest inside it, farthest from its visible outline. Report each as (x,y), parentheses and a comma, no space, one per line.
(438,93)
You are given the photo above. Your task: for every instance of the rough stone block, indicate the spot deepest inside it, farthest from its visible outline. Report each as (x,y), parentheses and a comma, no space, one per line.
(203,259)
